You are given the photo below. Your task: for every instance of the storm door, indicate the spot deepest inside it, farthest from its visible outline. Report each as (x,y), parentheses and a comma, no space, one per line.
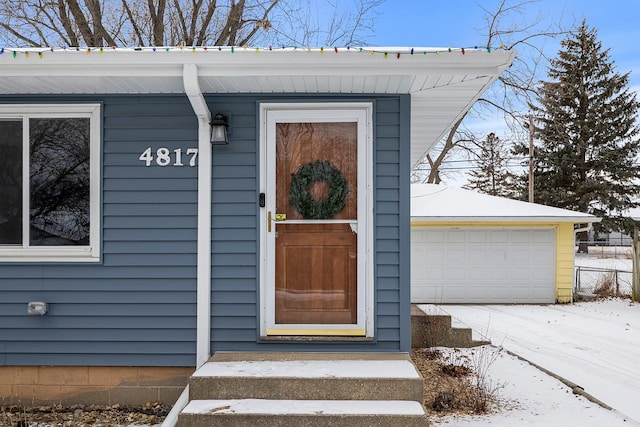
(315,220)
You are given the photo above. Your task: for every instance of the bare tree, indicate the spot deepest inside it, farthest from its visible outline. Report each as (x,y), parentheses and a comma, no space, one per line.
(96,23)
(455,138)
(511,93)
(492,175)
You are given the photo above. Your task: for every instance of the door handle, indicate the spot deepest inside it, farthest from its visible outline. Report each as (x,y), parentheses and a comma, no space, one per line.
(278,218)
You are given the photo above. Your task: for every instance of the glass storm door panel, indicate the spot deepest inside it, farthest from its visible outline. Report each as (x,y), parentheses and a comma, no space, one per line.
(316,243)
(316,246)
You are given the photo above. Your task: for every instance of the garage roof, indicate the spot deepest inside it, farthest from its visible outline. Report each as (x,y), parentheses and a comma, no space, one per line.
(443,82)
(439,203)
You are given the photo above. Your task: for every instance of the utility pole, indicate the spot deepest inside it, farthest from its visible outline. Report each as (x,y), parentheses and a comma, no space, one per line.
(530,158)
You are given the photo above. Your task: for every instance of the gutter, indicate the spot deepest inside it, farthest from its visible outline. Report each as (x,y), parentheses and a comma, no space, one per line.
(203,293)
(424,220)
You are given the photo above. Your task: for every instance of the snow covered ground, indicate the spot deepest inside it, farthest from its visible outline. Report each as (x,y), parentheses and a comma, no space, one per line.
(620,263)
(533,398)
(593,344)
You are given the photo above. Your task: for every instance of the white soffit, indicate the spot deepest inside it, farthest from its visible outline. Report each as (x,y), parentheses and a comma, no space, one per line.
(442,83)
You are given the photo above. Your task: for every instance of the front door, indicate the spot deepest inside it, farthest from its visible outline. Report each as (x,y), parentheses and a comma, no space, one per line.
(316,222)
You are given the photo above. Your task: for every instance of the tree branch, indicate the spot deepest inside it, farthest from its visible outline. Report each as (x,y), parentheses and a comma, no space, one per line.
(96,16)
(65,20)
(132,21)
(261,23)
(81,21)
(29,41)
(206,22)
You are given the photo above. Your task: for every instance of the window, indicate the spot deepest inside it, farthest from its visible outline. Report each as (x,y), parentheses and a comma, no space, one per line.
(49,182)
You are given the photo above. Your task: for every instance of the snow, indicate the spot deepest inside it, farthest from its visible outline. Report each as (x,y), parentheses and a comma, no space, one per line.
(436,202)
(532,398)
(593,344)
(621,264)
(304,407)
(311,369)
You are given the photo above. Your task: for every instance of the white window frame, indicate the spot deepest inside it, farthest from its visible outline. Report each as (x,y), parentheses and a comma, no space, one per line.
(90,253)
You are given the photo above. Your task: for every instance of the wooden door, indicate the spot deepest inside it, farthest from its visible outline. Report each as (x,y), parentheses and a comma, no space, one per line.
(316,244)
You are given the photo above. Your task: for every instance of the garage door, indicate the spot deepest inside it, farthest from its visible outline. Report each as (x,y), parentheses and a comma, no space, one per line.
(483,265)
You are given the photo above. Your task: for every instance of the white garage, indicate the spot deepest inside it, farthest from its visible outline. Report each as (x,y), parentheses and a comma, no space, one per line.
(482,265)
(468,247)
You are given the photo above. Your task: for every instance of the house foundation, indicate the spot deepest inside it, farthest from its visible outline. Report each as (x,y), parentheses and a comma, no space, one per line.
(97,385)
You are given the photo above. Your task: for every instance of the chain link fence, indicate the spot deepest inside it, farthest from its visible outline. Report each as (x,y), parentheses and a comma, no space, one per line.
(593,282)
(599,249)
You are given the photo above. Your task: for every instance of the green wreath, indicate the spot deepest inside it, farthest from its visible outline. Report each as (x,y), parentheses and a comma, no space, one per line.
(318,171)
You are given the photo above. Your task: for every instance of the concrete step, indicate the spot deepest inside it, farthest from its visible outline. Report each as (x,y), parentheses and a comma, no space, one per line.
(307,376)
(302,413)
(305,389)
(460,337)
(434,329)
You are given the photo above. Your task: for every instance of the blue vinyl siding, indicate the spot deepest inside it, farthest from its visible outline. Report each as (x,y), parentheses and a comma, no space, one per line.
(235,285)
(138,306)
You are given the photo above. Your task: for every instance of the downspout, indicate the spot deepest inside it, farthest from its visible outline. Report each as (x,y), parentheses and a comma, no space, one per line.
(203,286)
(580,230)
(203,331)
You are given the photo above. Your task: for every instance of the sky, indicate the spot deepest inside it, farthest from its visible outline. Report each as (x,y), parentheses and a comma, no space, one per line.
(462,23)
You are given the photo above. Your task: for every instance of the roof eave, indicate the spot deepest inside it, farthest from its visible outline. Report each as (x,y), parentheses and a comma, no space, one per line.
(443,83)
(119,63)
(506,219)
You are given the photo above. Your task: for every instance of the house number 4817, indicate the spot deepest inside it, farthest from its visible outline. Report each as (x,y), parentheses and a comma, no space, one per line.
(163,156)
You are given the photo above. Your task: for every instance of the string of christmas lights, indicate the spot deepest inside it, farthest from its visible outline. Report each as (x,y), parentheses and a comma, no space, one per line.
(397,52)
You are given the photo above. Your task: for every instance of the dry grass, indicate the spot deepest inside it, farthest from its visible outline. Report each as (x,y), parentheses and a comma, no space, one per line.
(457,384)
(606,286)
(78,415)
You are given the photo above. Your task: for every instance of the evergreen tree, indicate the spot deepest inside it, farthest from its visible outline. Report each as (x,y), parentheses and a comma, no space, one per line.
(587,137)
(492,175)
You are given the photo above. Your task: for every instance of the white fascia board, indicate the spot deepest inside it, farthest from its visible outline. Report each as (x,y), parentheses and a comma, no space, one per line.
(243,63)
(72,69)
(510,219)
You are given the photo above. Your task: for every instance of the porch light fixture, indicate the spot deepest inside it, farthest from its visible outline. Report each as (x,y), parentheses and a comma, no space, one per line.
(219,128)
